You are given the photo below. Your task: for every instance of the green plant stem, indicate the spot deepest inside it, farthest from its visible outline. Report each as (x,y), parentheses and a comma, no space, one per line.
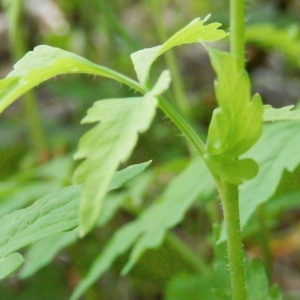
(265,240)
(237,31)
(230,204)
(177,86)
(229,192)
(165,106)
(18,49)
(183,126)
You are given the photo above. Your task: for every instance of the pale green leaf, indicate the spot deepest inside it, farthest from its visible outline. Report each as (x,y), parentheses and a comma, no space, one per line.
(237,124)
(277,150)
(162,84)
(53,213)
(43,252)
(121,177)
(287,194)
(23,194)
(148,231)
(107,145)
(110,143)
(9,264)
(194,32)
(280,114)
(232,170)
(42,63)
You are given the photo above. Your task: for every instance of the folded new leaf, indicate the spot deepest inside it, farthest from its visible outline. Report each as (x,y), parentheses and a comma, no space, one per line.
(237,124)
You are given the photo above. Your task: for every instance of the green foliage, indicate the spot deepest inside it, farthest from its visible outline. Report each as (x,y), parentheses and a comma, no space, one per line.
(52,214)
(215,283)
(280,114)
(265,165)
(115,138)
(258,283)
(42,252)
(43,63)
(236,125)
(149,230)
(10,263)
(239,116)
(282,153)
(194,32)
(19,191)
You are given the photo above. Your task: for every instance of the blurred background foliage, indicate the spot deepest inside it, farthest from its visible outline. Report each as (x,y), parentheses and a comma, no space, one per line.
(36,158)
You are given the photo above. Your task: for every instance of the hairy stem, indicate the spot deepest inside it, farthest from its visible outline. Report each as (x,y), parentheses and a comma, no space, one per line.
(167,108)
(230,204)
(229,192)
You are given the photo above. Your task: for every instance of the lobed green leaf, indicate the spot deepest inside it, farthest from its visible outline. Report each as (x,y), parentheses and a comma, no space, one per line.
(237,124)
(41,64)
(272,114)
(43,251)
(282,153)
(108,144)
(52,214)
(194,32)
(232,169)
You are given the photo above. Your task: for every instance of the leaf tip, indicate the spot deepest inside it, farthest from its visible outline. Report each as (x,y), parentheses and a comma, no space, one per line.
(207,18)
